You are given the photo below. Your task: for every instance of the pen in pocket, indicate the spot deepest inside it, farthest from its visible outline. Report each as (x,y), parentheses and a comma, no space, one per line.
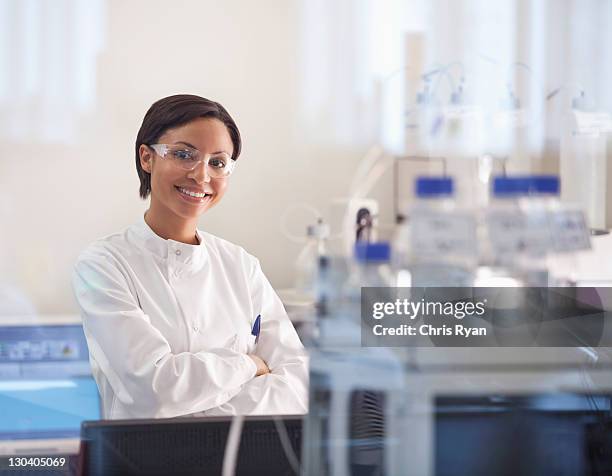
(256,328)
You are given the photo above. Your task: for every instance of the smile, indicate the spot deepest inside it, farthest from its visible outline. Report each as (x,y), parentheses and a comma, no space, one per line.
(192,196)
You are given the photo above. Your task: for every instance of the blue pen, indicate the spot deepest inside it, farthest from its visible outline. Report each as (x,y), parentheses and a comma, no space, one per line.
(256,328)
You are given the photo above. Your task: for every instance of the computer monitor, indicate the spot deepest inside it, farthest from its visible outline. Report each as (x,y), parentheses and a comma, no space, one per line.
(186,446)
(46,386)
(539,435)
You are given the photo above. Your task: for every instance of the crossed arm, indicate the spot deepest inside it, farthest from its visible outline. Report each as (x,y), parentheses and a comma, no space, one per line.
(152,381)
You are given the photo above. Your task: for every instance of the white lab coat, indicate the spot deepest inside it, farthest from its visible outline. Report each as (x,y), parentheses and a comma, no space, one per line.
(169,324)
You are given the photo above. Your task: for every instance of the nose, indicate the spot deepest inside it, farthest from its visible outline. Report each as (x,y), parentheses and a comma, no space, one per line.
(200,173)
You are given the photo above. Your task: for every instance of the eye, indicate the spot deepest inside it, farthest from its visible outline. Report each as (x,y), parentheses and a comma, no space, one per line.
(218,162)
(183,154)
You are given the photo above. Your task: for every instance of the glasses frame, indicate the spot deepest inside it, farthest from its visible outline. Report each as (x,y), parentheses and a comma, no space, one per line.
(163,149)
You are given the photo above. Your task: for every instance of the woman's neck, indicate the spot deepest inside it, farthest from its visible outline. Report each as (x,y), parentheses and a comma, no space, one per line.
(171,227)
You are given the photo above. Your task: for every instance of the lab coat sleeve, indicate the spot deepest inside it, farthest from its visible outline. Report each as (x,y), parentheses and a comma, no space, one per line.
(284,391)
(146,376)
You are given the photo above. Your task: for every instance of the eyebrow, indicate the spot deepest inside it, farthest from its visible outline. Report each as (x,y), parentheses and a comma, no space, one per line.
(194,147)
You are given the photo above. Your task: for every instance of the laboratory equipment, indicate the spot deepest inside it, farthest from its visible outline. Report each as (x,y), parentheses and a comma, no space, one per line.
(371,265)
(310,288)
(364,225)
(525,225)
(472,226)
(371,398)
(569,232)
(355,393)
(437,246)
(455,409)
(356,400)
(583,161)
(519,432)
(339,307)
(518,235)
(46,386)
(309,260)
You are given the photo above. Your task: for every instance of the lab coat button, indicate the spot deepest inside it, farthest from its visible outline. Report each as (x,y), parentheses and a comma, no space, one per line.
(196,328)
(177,252)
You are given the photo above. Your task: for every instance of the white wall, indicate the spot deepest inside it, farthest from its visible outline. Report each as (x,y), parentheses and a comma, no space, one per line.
(58,197)
(307,81)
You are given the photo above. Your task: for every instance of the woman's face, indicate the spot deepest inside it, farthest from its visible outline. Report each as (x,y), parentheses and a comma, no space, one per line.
(209,136)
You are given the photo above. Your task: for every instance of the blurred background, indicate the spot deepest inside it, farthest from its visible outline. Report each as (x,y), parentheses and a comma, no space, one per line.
(314,86)
(341,104)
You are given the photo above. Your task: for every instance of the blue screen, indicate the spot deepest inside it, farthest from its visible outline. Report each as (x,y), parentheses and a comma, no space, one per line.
(32,409)
(46,386)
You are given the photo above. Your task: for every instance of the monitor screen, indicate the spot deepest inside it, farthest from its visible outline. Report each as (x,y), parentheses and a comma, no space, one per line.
(49,409)
(46,346)
(46,387)
(190,446)
(537,435)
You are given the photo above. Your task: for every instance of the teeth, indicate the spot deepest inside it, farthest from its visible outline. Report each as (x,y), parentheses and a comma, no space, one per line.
(192,194)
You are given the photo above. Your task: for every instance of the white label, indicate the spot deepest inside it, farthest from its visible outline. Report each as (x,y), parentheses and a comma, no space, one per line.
(569,231)
(439,235)
(514,232)
(512,119)
(592,123)
(463,113)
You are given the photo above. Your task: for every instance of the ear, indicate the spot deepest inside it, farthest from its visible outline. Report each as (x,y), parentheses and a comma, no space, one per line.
(146,157)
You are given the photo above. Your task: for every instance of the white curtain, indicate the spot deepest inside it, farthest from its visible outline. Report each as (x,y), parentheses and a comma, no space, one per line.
(506,55)
(48,54)
(349,49)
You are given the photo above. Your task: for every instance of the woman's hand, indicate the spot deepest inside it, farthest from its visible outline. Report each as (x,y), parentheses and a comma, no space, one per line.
(262,367)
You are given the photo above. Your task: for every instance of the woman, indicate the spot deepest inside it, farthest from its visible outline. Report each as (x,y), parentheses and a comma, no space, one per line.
(179,321)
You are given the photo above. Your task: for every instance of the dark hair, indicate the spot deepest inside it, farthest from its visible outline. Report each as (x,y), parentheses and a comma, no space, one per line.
(175,111)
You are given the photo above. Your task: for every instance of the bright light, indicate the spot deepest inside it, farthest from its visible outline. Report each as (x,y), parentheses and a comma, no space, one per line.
(34,385)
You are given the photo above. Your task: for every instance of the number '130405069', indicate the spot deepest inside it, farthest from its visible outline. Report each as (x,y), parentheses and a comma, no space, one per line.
(36,462)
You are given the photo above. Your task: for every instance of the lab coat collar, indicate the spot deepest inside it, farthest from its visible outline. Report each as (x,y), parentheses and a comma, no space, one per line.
(180,254)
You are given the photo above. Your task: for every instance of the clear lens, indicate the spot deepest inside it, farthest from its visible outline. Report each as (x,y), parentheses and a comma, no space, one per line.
(185,157)
(219,162)
(219,165)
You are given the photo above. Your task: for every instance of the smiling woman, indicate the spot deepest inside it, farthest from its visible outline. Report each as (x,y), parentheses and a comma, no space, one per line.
(183,176)
(177,320)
